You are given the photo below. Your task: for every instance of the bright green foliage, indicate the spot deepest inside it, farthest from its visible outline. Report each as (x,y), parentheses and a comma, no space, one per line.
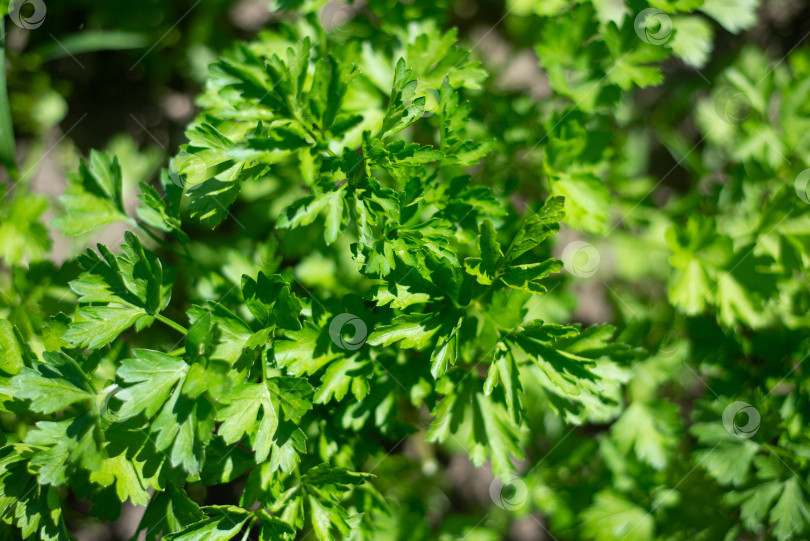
(360,268)
(22,237)
(133,284)
(95,196)
(252,375)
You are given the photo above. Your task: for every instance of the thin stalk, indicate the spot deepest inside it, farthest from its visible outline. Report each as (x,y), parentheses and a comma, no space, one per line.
(176,326)
(6,127)
(263,361)
(88,384)
(162,242)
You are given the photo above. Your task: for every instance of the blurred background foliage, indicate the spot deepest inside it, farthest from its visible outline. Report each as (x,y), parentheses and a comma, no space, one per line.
(686,177)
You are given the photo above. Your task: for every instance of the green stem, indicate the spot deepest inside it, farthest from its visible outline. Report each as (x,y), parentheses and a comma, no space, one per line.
(6,126)
(162,242)
(322,139)
(776,450)
(86,380)
(265,378)
(177,352)
(176,326)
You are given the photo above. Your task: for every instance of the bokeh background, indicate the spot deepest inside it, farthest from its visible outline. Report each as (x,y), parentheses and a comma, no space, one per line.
(124,76)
